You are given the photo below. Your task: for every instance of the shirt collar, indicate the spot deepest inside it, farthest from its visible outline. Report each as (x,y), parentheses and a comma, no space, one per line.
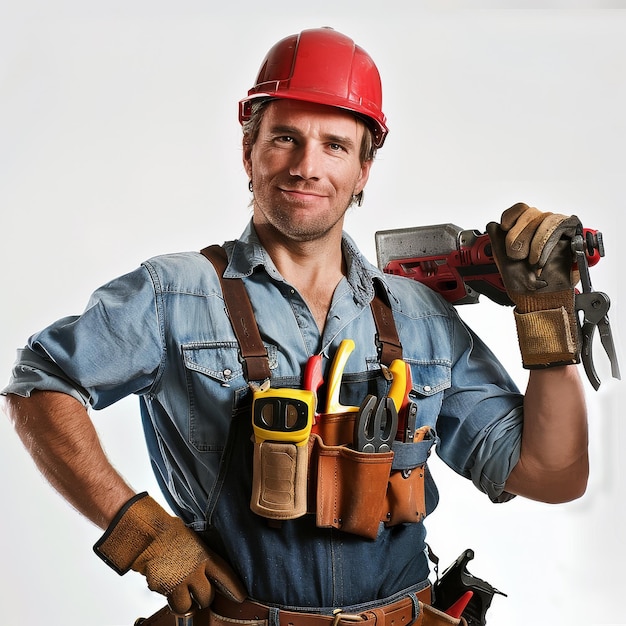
(246,254)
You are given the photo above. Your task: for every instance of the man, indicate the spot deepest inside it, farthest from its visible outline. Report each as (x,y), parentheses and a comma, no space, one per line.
(312,124)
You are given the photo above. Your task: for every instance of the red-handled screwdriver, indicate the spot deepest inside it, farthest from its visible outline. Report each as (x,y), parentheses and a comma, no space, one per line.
(313,378)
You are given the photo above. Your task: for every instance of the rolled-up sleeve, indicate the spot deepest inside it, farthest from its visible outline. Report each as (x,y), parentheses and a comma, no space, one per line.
(33,372)
(480,424)
(497,456)
(113,349)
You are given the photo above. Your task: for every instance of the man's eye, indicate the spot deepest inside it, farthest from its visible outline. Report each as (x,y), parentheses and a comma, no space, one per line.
(335,147)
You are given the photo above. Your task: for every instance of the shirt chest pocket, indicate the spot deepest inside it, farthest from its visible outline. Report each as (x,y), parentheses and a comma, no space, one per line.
(215,383)
(430,380)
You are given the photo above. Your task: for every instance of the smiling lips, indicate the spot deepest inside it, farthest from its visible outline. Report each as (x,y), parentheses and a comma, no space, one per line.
(302,192)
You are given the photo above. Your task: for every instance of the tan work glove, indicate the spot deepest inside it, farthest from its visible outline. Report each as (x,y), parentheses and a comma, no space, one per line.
(533,252)
(145,538)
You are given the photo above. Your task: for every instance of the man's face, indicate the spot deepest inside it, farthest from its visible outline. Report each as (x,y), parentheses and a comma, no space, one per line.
(305,168)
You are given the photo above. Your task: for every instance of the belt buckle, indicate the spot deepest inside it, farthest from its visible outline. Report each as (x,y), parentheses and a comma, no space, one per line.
(348,617)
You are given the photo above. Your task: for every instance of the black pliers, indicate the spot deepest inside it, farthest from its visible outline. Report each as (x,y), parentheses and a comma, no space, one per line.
(376,425)
(594,306)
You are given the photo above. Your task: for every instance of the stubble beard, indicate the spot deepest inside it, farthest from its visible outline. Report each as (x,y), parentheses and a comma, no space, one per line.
(281,220)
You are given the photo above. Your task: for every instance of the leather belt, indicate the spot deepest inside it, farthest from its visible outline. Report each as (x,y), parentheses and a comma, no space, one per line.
(399,613)
(223,611)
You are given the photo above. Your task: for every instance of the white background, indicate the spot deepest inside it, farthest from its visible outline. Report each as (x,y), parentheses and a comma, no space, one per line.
(119,140)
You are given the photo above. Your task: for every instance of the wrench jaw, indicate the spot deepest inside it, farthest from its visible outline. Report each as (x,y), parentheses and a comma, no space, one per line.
(594,307)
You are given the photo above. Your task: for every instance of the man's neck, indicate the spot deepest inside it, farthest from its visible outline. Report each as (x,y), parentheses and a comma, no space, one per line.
(314,268)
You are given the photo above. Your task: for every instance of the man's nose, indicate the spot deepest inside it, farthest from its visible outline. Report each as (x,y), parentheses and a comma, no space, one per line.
(306,162)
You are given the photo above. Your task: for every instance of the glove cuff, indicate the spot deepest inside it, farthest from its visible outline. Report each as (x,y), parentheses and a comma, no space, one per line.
(144,537)
(127,537)
(536,301)
(547,337)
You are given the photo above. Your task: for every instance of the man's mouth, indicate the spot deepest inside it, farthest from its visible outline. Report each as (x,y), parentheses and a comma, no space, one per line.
(302,193)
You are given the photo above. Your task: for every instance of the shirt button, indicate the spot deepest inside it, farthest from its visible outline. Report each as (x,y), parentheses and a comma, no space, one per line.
(227,373)
(427,388)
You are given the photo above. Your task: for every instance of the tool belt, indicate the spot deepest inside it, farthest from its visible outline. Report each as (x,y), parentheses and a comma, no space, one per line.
(409,611)
(347,489)
(344,488)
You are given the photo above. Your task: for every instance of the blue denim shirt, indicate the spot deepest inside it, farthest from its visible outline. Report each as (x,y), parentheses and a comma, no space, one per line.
(161,332)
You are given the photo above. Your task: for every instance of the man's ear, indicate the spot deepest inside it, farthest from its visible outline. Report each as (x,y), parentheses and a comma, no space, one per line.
(364,176)
(246,156)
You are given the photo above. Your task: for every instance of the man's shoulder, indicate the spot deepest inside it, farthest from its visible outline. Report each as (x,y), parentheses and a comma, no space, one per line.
(174,261)
(182,271)
(410,293)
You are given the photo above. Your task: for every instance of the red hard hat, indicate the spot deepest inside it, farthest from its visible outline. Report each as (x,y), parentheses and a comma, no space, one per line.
(323,66)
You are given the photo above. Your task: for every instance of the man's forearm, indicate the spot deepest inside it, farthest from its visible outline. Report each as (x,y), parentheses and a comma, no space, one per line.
(554,464)
(59,435)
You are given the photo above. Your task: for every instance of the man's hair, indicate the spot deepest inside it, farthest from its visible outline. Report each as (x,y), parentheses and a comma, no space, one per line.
(251,131)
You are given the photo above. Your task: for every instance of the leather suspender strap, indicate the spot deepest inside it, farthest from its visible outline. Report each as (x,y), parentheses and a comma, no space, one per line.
(387,340)
(253,352)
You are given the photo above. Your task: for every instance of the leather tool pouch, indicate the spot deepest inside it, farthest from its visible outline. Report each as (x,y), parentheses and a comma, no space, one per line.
(354,491)
(350,487)
(430,616)
(405,500)
(279,480)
